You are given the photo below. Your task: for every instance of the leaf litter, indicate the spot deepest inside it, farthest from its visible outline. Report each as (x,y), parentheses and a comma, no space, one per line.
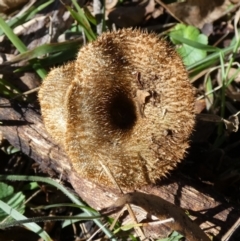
(213,17)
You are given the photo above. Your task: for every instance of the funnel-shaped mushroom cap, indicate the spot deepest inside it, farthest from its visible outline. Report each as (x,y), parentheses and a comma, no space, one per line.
(126,104)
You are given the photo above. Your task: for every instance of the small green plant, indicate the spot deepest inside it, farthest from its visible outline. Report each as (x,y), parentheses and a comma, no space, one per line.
(31,223)
(14,199)
(190,54)
(12,207)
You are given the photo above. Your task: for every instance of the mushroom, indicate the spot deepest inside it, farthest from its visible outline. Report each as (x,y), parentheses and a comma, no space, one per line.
(125,103)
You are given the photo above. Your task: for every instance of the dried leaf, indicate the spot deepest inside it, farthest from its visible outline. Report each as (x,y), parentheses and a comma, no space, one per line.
(232,123)
(233,72)
(209,118)
(198,13)
(233,95)
(127,16)
(200,105)
(7,5)
(109,4)
(141,96)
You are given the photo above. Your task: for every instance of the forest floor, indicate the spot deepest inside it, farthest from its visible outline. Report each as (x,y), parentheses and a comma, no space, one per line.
(51,35)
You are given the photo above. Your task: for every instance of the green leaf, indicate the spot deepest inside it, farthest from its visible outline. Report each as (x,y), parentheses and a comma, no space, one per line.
(5,190)
(192,46)
(14,200)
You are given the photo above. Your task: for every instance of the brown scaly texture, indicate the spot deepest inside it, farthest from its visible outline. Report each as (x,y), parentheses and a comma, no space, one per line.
(126,102)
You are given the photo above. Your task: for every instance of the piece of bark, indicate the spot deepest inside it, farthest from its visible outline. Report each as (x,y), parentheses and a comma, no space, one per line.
(23,128)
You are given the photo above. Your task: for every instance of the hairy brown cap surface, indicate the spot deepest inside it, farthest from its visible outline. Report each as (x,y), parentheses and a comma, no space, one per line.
(125,103)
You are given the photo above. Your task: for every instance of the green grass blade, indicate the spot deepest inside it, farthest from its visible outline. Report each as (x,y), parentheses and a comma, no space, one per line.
(7,89)
(27,15)
(210,98)
(194,44)
(12,37)
(65,205)
(46,49)
(70,195)
(81,18)
(21,47)
(18,216)
(209,60)
(89,16)
(80,217)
